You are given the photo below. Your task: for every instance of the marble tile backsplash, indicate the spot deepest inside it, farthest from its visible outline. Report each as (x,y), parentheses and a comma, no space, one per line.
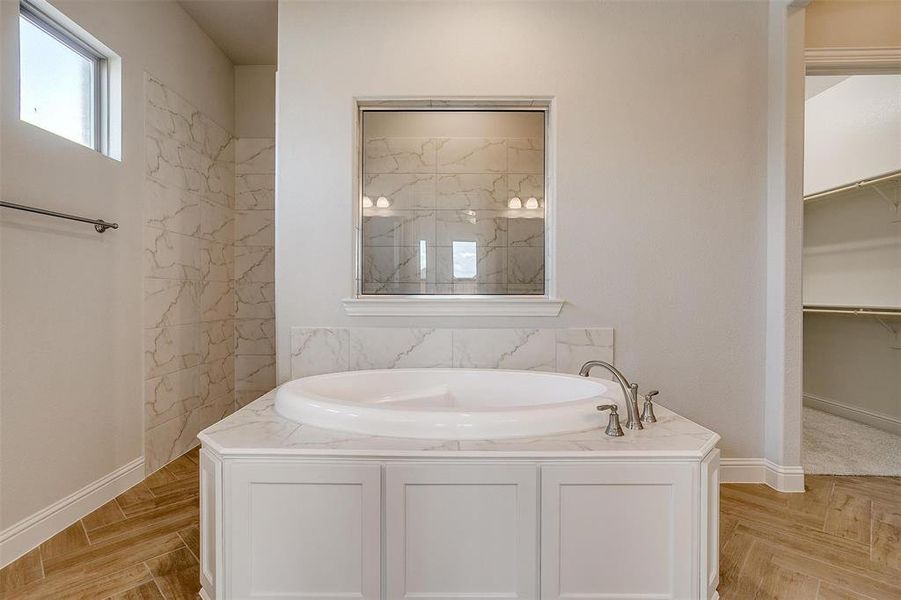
(444,191)
(318,350)
(189,288)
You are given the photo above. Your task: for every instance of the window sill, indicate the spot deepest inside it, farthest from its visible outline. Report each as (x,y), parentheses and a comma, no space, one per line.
(448,306)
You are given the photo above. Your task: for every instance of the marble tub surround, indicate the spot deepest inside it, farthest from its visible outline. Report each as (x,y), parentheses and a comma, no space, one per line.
(317,350)
(254,268)
(257,428)
(446,225)
(189,305)
(209,203)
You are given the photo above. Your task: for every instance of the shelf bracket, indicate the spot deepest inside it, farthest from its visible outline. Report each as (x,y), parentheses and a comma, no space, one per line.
(893,202)
(885,324)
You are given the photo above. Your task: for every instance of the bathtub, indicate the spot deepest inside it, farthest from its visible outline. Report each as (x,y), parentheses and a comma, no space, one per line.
(421,483)
(451,404)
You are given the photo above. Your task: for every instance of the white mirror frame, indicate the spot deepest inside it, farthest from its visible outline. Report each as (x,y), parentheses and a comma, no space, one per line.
(547,305)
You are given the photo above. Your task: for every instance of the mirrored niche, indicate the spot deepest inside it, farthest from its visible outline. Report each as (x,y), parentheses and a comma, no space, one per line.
(452,202)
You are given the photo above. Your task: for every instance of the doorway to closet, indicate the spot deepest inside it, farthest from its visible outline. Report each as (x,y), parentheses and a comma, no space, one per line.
(852,275)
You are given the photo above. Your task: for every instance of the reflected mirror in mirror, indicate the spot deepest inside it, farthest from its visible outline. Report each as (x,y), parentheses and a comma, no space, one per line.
(453,202)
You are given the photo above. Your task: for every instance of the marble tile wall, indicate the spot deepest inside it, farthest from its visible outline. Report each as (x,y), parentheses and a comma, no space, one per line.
(317,350)
(189,305)
(254,268)
(446,190)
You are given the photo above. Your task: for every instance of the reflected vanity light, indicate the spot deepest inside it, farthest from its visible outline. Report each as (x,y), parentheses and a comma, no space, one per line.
(532,203)
(367,202)
(515,202)
(382,202)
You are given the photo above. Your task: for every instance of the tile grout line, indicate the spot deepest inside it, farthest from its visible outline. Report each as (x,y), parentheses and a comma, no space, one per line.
(197,558)
(872,519)
(84,528)
(832,567)
(41,562)
(153,578)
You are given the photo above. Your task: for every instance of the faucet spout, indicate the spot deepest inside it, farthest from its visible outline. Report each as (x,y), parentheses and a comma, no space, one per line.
(630,390)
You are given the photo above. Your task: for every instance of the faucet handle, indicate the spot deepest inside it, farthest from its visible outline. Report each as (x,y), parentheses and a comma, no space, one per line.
(613,426)
(647,412)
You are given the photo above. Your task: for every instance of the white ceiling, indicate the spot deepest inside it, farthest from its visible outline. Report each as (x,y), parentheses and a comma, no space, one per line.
(246,30)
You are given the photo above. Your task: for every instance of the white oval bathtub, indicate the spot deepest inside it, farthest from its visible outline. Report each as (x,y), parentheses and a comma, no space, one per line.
(451,404)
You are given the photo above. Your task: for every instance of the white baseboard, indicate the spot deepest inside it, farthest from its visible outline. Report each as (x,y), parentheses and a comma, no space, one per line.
(762,470)
(854,413)
(784,478)
(31,531)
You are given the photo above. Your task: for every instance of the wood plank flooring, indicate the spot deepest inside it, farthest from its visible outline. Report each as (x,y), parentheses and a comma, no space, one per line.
(144,545)
(841,540)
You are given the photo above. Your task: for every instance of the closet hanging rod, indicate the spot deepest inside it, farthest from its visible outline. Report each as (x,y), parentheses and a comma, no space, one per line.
(99,224)
(854,185)
(843,310)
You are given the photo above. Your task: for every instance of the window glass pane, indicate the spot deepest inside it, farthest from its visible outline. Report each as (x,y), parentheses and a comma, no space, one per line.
(464,260)
(423,260)
(57,85)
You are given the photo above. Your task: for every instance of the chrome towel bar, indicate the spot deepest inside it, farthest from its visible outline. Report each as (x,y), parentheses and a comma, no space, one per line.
(99,224)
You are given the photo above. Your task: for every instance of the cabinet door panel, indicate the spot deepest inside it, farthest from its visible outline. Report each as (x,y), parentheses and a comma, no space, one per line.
(461,531)
(614,530)
(304,531)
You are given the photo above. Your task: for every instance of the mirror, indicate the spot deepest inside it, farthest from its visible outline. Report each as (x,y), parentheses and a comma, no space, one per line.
(452,202)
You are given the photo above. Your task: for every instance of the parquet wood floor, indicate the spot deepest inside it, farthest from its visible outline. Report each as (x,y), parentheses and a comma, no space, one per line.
(841,540)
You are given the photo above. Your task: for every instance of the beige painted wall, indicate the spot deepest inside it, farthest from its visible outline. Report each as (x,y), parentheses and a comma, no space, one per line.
(72,300)
(660,121)
(853,24)
(854,362)
(255,101)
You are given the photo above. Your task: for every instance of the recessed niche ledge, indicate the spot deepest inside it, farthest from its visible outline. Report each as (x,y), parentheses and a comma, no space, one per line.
(449,306)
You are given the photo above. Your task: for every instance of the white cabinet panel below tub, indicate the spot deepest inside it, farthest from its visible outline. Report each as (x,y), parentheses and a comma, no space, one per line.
(210,512)
(303,530)
(618,530)
(710,521)
(461,531)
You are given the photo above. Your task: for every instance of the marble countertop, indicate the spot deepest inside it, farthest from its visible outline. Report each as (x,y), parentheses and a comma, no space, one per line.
(258,430)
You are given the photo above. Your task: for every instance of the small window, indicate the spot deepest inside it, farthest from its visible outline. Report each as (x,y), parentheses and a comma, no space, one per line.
(464,257)
(63,80)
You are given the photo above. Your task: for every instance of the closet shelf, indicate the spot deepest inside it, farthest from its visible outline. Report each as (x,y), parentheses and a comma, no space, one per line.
(870,181)
(878,314)
(854,310)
